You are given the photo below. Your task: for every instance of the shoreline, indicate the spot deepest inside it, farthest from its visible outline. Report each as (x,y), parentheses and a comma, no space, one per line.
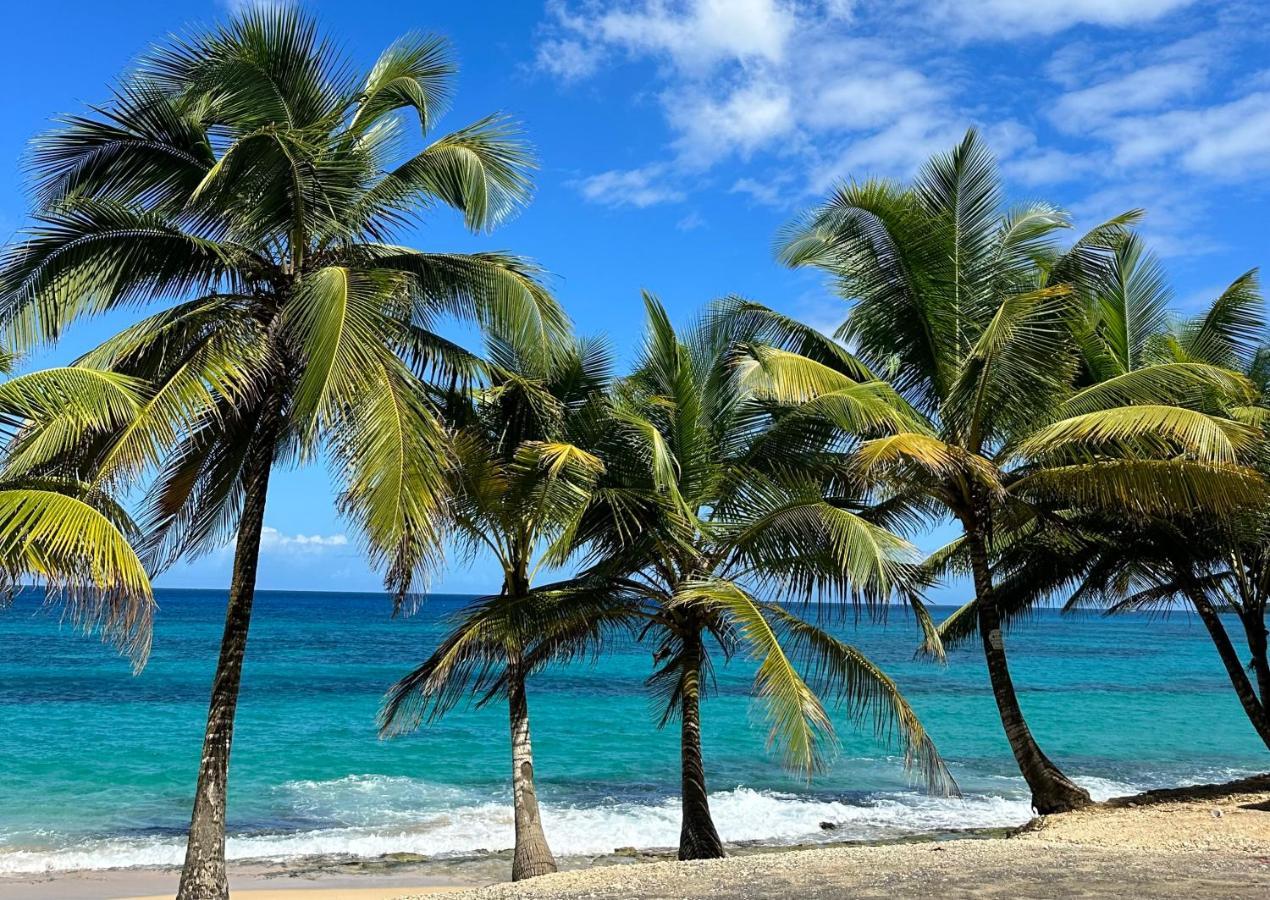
(1137,845)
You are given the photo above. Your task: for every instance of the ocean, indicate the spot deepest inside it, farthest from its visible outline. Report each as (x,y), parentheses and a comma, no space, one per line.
(97,765)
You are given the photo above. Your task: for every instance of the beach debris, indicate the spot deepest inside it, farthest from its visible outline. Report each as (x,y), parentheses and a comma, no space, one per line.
(828,826)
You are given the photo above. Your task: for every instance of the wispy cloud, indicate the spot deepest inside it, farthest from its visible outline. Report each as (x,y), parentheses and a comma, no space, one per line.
(273,540)
(646,186)
(1016,18)
(790,97)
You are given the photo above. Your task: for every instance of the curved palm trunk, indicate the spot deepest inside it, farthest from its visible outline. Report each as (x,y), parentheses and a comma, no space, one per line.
(1254,623)
(203,875)
(698,838)
(1052,791)
(1253,707)
(532,856)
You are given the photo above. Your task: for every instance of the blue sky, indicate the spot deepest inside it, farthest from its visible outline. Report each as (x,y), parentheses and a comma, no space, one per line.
(675,138)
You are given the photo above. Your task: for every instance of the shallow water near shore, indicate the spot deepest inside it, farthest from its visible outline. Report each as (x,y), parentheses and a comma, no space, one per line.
(98,765)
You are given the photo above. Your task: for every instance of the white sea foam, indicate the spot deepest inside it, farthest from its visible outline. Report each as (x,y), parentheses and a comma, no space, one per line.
(370,815)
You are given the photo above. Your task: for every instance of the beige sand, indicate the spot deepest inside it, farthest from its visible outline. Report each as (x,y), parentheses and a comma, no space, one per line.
(1211,842)
(316,893)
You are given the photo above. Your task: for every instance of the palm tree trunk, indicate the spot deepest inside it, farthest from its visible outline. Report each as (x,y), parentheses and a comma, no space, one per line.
(698,838)
(1254,623)
(1052,791)
(203,876)
(1253,707)
(532,856)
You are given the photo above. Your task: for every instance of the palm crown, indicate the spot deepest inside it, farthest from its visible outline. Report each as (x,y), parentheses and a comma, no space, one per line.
(976,311)
(248,181)
(720,491)
(249,184)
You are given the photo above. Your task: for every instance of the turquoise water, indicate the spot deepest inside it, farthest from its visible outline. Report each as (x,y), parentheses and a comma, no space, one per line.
(97,766)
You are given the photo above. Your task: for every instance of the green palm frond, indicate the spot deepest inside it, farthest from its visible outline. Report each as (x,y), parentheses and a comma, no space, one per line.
(560,622)
(480,170)
(842,673)
(392,458)
(85,257)
(82,556)
(413,73)
(1178,383)
(1157,430)
(799,723)
(1146,487)
(501,293)
(1131,305)
(1231,330)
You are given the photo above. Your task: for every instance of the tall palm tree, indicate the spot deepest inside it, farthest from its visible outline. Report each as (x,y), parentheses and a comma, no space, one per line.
(1214,364)
(975,311)
(724,487)
(74,540)
(247,183)
(523,478)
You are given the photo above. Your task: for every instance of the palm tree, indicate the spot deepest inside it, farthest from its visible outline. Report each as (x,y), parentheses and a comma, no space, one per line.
(74,540)
(246,183)
(724,484)
(975,311)
(1212,566)
(1213,364)
(523,478)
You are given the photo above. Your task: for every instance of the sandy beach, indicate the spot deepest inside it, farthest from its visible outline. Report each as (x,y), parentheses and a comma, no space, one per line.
(1211,841)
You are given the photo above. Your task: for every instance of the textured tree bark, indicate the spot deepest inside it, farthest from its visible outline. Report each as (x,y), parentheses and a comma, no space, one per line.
(203,876)
(1254,622)
(1253,708)
(532,856)
(1052,791)
(698,838)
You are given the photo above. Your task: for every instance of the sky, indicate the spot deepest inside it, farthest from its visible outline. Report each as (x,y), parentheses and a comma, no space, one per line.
(676,137)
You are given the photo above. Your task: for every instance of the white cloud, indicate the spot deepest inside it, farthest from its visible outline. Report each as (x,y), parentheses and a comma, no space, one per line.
(739,122)
(568,59)
(740,77)
(691,222)
(1014,18)
(697,33)
(1225,141)
(1145,89)
(775,192)
(867,96)
(273,539)
(1172,224)
(641,187)
(895,151)
(1048,166)
(796,95)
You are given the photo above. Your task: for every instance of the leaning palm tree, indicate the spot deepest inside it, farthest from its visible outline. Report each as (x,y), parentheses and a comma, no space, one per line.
(248,185)
(1211,566)
(74,540)
(522,480)
(975,310)
(1213,364)
(726,486)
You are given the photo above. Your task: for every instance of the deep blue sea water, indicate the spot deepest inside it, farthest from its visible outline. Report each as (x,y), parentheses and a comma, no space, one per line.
(97,765)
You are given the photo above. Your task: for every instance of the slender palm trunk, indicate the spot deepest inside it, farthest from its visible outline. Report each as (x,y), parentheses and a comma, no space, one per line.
(1253,707)
(532,856)
(203,876)
(1052,791)
(698,838)
(1254,622)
